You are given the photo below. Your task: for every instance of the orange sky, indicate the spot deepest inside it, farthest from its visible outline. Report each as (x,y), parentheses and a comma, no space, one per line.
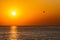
(30,12)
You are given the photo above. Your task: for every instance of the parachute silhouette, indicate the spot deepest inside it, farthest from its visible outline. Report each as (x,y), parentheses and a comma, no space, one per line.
(43,11)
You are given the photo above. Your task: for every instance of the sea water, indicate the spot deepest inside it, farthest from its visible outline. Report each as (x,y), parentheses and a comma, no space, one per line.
(29,33)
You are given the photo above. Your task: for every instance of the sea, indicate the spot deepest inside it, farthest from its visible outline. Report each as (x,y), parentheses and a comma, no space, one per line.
(29,33)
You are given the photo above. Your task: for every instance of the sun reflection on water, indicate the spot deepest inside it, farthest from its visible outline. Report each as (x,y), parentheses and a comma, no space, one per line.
(13,33)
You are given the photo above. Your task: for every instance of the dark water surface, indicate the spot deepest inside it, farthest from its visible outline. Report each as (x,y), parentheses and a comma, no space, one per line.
(29,33)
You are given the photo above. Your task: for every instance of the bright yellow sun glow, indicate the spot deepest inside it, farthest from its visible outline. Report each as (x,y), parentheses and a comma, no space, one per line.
(13,13)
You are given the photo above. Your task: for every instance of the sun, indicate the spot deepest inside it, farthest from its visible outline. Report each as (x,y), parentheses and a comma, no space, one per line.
(13,13)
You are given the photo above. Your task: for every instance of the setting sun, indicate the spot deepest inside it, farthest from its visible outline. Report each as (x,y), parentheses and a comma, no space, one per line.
(13,13)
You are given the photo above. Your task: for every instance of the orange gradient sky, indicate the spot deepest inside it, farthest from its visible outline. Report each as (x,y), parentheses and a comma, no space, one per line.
(30,12)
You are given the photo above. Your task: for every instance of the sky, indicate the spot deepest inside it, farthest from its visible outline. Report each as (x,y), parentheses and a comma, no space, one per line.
(30,12)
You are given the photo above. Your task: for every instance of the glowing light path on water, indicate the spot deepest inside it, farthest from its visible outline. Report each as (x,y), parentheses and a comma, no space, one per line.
(13,33)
